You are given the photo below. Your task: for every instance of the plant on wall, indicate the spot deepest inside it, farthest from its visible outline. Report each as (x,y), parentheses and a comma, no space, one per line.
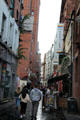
(64,65)
(21,50)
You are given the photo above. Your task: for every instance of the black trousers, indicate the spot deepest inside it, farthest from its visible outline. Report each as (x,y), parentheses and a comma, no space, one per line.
(23,108)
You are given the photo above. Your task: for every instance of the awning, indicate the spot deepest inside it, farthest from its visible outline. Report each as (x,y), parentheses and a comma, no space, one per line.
(58,78)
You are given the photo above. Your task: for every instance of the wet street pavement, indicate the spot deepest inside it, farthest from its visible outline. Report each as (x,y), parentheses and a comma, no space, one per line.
(44,115)
(9,112)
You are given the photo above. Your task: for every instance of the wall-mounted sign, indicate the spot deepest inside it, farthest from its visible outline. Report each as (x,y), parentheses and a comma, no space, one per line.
(28,24)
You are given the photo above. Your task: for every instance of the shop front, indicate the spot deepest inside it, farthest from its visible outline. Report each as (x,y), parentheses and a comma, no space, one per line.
(8,64)
(5,81)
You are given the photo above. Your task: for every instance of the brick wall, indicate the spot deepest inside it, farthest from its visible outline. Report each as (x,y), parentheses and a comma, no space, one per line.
(16,9)
(35,32)
(68,8)
(23,67)
(31,61)
(76,62)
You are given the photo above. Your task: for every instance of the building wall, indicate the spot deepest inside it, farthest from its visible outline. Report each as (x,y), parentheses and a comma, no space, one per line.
(24,64)
(8,53)
(14,6)
(31,40)
(52,60)
(47,65)
(67,10)
(35,9)
(48,69)
(76,60)
(68,40)
(27,38)
(10,37)
(17,10)
(5,10)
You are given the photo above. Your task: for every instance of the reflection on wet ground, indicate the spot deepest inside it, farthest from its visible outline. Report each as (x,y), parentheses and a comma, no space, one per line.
(42,115)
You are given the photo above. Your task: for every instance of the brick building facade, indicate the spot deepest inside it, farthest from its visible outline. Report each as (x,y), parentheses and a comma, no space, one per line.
(66,11)
(32,63)
(76,55)
(71,11)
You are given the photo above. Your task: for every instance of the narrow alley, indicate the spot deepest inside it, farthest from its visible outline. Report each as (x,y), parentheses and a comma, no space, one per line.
(39,59)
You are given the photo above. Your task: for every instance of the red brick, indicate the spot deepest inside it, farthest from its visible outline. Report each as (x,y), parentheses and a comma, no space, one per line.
(32,64)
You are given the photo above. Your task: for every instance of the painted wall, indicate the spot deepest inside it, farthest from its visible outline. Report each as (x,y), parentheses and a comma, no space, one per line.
(10,34)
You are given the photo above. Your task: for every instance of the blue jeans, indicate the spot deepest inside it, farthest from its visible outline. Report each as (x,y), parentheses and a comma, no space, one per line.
(17,102)
(35,105)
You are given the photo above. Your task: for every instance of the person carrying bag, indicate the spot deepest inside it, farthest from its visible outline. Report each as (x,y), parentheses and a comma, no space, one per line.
(24,97)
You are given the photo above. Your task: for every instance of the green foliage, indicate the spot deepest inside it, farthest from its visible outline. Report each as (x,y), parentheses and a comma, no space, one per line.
(64,65)
(20,48)
(21,24)
(25,17)
(20,52)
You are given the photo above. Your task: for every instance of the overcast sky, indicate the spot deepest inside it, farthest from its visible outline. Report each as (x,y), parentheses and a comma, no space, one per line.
(48,20)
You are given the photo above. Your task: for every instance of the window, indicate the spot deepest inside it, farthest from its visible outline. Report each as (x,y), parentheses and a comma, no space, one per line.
(30,6)
(22,4)
(12,8)
(11,35)
(59,45)
(26,4)
(17,15)
(7,86)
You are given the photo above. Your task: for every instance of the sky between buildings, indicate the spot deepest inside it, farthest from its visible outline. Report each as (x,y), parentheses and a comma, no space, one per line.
(48,20)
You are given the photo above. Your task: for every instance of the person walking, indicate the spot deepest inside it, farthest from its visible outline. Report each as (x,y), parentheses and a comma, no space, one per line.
(35,96)
(24,99)
(44,98)
(47,96)
(17,93)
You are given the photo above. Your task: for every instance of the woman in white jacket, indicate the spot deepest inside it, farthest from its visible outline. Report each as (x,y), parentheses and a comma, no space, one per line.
(24,99)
